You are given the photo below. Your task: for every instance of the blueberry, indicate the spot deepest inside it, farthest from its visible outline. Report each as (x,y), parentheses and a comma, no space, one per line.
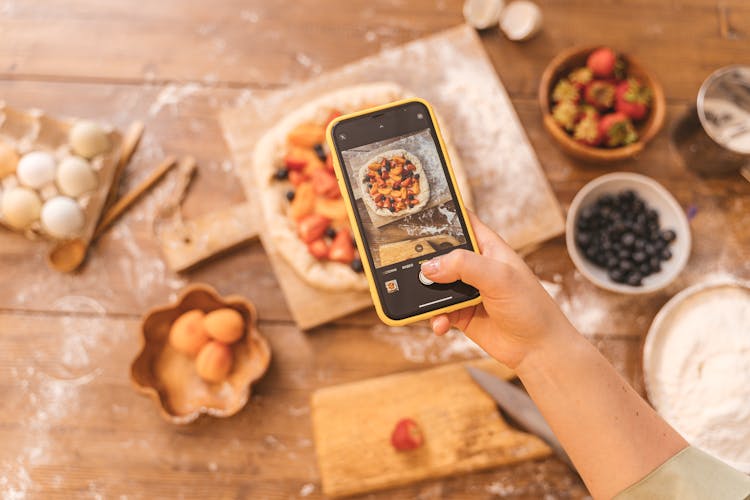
(591,252)
(655,264)
(290,195)
(627,196)
(635,279)
(645,269)
(616,275)
(320,152)
(626,266)
(652,215)
(624,255)
(281,173)
(668,235)
(416,176)
(330,232)
(583,239)
(639,244)
(587,213)
(628,239)
(608,199)
(357,265)
(666,254)
(612,263)
(650,249)
(639,257)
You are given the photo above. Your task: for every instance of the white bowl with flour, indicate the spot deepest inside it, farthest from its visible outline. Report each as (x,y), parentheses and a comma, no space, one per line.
(696,365)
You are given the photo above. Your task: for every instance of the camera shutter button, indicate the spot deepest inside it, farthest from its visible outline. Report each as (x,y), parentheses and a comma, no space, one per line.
(424,279)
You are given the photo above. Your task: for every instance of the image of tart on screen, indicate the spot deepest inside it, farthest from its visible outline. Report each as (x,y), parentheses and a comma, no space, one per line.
(403,197)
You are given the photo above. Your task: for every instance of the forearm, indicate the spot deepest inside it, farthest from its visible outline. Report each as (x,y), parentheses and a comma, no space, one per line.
(612,435)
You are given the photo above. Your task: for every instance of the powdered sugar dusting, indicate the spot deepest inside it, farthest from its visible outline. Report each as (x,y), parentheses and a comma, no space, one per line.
(420,345)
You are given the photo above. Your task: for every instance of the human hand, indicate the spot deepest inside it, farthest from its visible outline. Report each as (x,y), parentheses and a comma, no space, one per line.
(516,315)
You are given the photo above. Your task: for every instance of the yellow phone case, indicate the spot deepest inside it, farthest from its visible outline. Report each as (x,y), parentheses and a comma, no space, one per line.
(355,227)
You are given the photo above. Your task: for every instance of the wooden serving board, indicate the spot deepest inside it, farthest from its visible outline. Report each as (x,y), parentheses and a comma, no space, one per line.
(462,427)
(510,191)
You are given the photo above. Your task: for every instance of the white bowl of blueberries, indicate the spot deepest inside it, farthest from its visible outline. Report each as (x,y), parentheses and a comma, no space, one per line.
(626,233)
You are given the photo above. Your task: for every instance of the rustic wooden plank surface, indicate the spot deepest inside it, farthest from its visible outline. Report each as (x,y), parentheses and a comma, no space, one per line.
(73,426)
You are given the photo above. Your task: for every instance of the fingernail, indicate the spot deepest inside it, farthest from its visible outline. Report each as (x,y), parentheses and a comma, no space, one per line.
(431,266)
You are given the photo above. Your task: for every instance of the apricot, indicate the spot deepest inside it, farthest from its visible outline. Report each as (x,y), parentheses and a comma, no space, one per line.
(187,334)
(225,325)
(214,362)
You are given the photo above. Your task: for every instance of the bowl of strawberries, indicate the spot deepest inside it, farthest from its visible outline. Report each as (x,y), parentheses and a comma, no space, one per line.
(600,105)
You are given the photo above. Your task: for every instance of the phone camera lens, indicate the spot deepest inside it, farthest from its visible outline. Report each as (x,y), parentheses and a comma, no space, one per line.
(420,116)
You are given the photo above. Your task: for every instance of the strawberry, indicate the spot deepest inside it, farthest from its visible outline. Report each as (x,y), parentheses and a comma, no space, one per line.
(329,163)
(332,116)
(325,184)
(406,435)
(565,91)
(342,248)
(617,130)
(318,248)
(632,98)
(297,178)
(580,77)
(585,111)
(602,62)
(295,160)
(600,94)
(565,113)
(587,130)
(311,227)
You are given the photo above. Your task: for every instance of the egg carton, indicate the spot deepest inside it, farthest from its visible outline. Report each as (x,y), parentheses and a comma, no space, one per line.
(27,131)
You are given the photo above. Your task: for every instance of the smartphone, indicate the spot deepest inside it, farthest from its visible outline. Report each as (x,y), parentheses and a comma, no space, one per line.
(404,206)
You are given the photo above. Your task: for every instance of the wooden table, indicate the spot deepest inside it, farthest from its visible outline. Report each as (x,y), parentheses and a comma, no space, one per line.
(73,426)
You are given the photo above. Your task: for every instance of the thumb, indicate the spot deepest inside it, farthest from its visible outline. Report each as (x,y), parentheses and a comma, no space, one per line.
(481,272)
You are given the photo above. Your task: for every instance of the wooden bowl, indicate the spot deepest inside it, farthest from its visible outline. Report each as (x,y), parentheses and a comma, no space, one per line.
(169,377)
(576,57)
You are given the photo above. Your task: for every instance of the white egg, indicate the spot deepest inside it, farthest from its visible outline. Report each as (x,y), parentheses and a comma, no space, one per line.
(62,217)
(36,169)
(75,176)
(20,207)
(521,20)
(88,139)
(481,14)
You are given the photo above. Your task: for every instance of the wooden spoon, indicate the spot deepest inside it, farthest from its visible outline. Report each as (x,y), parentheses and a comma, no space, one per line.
(68,255)
(76,249)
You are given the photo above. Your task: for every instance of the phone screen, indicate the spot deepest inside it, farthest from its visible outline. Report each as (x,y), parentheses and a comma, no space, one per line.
(405,204)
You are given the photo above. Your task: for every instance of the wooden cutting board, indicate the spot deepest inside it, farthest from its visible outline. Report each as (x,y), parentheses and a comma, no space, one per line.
(511,193)
(462,427)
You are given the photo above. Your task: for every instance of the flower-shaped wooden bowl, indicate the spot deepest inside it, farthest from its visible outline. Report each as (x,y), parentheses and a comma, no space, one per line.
(169,377)
(576,57)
